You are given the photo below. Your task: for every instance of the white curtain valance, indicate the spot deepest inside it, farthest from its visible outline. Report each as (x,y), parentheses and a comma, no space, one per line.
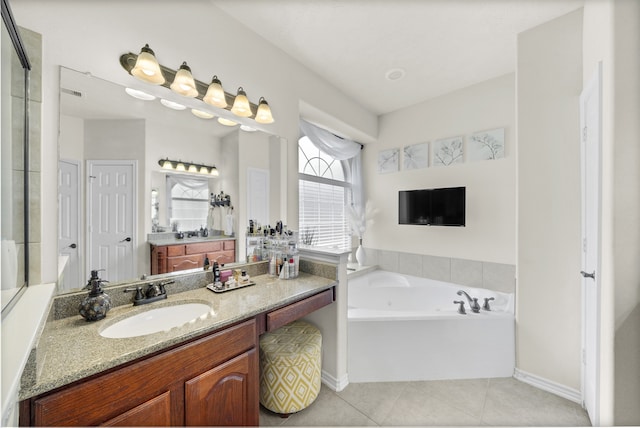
(342,149)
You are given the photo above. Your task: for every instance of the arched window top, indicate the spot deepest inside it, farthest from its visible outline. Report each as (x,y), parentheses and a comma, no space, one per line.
(312,161)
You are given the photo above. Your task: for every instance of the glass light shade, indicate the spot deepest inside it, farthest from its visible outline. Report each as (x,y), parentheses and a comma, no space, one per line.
(147,68)
(241,106)
(204,170)
(263,115)
(141,95)
(226,122)
(183,83)
(192,168)
(201,114)
(180,167)
(215,94)
(214,171)
(172,105)
(165,164)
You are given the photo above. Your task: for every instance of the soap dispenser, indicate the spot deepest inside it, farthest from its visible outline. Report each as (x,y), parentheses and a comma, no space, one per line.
(95,306)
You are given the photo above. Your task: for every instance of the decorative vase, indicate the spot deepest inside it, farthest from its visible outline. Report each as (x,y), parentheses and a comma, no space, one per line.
(361,256)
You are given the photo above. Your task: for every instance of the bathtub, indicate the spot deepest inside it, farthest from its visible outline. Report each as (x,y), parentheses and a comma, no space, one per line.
(402,328)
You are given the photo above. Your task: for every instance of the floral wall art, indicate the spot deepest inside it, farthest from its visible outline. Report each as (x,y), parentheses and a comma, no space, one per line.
(388,160)
(447,151)
(416,156)
(486,145)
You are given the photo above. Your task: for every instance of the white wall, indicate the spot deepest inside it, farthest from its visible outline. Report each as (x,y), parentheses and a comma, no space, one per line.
(549,82)
(489,234)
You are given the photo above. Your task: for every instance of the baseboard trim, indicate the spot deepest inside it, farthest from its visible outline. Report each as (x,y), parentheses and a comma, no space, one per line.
(334,383)
(549,386)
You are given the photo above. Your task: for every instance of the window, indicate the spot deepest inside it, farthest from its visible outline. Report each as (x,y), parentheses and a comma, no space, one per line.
(188,202)
(324,194)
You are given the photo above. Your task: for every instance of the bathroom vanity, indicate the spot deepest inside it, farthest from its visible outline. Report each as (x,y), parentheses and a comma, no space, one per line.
(202,373)
(186,254)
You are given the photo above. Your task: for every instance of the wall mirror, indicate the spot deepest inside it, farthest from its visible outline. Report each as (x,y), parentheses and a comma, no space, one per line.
(15,162)
(102,127)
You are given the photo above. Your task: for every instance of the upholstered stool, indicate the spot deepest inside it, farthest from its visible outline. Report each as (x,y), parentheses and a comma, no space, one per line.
(290,363)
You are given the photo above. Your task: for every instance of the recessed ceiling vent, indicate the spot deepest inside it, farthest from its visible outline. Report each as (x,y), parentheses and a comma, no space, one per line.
(72,92)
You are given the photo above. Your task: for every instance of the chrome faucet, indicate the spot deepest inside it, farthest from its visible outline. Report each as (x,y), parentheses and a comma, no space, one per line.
(473,302)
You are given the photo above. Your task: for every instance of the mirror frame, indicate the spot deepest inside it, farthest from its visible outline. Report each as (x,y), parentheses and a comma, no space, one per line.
(21,52)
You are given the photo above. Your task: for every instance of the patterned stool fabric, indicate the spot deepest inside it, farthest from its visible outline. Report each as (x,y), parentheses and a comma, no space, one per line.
(290,363)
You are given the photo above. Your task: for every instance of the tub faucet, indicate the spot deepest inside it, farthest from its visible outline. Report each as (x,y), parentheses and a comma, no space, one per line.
(461,307)
(473,302)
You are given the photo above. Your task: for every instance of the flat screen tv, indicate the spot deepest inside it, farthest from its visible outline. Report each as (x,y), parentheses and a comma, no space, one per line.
(432,207)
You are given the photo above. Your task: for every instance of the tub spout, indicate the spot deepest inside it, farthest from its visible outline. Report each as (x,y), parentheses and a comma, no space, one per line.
(473,302)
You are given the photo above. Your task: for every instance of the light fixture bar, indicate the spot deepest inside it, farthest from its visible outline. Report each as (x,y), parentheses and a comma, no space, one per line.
(193,168)
(128,61)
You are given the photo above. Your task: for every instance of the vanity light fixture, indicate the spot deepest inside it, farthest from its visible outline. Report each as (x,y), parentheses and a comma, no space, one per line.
(215,94)
(145,67)
(264,112)
(183,83)
(188,167)
(241,105)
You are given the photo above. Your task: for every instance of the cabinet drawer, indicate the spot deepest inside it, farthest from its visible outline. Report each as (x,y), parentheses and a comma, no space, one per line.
(203,247)
(229,245)
(184,262)
(175,250)
(294,311)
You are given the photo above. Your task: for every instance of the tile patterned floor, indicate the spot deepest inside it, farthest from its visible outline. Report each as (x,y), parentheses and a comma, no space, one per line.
(475,402)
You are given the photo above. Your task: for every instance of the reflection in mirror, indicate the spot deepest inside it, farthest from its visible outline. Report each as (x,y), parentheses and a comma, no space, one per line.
(101,123)
(15,162)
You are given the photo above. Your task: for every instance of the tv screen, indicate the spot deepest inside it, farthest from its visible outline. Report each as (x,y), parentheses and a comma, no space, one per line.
(432,207)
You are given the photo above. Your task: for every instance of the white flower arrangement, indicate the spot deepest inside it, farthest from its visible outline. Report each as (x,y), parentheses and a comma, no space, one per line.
(360,218)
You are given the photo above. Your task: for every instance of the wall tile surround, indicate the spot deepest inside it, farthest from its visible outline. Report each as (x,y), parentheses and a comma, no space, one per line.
(472,273)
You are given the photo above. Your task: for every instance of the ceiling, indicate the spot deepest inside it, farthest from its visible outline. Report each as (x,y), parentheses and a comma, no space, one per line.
(441,45)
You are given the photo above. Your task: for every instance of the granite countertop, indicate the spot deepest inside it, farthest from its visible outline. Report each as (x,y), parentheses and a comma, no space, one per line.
(175,241)
(71,348)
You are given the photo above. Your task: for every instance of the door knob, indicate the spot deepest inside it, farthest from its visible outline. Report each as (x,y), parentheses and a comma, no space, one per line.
(72,246)
(591,275)
(127,239)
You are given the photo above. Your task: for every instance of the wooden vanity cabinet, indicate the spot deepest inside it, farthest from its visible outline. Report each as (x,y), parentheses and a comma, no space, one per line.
(210,381)
(213,380)
(176,257)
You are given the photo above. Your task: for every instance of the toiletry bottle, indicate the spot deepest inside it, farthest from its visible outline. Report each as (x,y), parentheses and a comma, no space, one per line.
(95,306)
(292,269)
(206,263)
(272,265)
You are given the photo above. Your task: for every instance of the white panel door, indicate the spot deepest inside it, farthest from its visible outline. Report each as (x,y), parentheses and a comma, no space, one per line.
(590,122)
(111,218)
(69,223)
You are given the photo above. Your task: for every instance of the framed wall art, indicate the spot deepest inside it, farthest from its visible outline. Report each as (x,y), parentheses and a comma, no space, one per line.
(416,156)
(388,160)
(447,151)
(486,145)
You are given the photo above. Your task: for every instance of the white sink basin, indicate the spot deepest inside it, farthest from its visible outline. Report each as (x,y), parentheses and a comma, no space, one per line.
(157,320)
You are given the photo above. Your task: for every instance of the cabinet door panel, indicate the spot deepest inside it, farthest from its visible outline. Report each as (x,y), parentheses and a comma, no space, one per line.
(155,412)
(225,395)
